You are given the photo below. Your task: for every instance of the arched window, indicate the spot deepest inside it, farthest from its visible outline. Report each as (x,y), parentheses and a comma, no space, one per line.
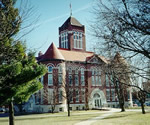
(60,80)
(64,40)
(77,36)
(50,75)
(96,95)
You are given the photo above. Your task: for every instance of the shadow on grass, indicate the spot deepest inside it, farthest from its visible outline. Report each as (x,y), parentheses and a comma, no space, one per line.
(62,118)
(124,114)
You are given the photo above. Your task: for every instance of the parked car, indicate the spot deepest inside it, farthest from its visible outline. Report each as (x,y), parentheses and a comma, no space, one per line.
(147,103)
(135,105)
(2,110)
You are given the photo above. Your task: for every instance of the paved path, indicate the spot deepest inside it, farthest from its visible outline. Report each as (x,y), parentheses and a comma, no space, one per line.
(92,120)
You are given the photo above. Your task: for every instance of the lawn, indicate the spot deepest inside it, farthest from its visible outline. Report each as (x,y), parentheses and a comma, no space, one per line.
(125,118)
(53,119)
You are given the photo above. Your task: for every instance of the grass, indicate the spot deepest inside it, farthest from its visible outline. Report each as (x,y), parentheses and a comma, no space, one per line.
(53,119)
(125,118)
(138,107)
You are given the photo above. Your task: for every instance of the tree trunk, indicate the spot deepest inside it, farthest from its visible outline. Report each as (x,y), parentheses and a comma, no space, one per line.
(53,109)
(68,109)
(143,109)
(20,107)
(11,114)
(122,107)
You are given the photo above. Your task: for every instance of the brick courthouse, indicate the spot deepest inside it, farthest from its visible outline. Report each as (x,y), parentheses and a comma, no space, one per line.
(82,70)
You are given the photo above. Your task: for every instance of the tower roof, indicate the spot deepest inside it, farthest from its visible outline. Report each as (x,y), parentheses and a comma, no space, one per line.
(119,59)
(72,21)
(52,53)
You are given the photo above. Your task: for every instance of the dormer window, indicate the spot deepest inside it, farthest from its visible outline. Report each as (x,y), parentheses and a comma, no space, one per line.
(77,40)
(64,40)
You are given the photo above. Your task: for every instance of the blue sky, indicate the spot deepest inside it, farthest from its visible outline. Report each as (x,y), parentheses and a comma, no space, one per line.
(53,14)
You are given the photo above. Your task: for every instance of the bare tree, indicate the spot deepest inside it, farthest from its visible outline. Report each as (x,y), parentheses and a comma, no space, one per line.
(50,97)
(118,73)
(124,26)
(67,92)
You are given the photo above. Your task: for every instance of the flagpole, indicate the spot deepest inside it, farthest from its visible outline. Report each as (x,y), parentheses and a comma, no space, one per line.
(70,9)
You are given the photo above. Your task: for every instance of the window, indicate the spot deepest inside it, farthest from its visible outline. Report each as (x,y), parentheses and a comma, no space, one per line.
(50,75)
(60,109)
(107,80)
(70,80)
(77,108)
(93,81)
(77,95)
(42,80)
(108,95)
(83,95)
(64,40)
(99,80)
(80,39)
(77,40)
(50,69)
(69,70)
(60,79)
(113,95)
(70,94)
(93,77)
(37,99)
(50,79)
(76,79)
(50,96)
(70,76)
(82,77)
(96,80)
(96,77)
(42,96)
(111,80)
(96,95)
(60,96)
(60,75)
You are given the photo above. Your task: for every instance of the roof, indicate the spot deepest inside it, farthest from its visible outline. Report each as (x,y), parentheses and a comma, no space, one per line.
(75,55)
(103,59)
(62,54)
(52,53)
(72,21)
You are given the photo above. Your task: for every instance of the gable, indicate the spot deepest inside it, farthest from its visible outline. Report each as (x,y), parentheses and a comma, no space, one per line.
(95,60)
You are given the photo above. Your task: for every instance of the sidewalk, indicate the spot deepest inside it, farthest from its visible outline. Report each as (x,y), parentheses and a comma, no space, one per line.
(90,121)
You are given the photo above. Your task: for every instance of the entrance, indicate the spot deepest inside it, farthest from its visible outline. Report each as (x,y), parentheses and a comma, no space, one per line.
(97,101)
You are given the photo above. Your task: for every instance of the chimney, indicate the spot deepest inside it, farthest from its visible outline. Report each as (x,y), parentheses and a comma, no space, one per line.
(40,54)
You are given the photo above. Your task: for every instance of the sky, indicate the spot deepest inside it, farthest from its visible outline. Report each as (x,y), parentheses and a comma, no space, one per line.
(52,14)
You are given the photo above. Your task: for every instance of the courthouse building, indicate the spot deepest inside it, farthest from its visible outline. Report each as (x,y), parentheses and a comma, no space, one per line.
(81,70)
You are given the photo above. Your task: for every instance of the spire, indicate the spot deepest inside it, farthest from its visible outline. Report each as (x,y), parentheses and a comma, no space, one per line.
(53,53)
(70,9)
